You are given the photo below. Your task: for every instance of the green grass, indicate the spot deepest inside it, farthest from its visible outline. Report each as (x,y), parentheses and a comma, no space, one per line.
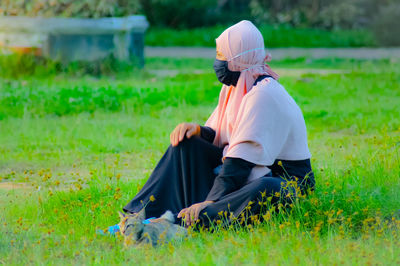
(274,36)
(81,147)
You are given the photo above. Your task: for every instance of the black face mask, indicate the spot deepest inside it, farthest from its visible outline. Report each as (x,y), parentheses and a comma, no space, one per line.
(224,75)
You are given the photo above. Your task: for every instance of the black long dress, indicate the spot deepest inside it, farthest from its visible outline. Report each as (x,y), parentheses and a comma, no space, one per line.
(187,174)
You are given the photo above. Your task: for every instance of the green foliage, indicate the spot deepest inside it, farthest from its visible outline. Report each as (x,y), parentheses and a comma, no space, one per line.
(14,65)
(185,13)
(70,8)
(158,12)
(66,98)
(178,14)
(274,36)
(326,14)
(20,65)
(73,170)
(385,26)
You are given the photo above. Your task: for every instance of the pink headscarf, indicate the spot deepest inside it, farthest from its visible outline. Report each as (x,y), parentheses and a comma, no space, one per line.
(243,46)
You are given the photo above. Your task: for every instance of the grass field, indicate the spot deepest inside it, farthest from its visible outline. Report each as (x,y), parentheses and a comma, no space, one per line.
(275,36)
(74,150)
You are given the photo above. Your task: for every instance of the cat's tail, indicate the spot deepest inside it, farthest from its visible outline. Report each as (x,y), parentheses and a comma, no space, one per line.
(169,216)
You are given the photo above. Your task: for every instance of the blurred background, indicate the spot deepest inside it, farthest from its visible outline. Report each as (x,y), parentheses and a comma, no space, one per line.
(373,22)
(182,23)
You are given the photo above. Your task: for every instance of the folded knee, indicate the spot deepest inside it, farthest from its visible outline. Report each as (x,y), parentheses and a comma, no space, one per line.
(188,143)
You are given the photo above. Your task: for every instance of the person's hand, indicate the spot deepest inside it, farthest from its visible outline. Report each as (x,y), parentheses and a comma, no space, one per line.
(177,135)
(191,214)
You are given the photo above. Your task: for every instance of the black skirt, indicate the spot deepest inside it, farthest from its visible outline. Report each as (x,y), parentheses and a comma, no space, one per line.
(185,175)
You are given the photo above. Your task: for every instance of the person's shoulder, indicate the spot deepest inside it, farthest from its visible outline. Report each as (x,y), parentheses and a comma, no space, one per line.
(263,94)
(267,87)
(270,94)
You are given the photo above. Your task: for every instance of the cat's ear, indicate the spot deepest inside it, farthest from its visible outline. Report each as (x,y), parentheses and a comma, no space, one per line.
(142,214)
(121,215)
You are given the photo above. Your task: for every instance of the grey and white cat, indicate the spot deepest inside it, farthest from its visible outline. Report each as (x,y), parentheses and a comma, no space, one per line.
(160,231)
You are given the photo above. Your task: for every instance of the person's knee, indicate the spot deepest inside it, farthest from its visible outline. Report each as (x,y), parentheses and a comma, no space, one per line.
(188,143)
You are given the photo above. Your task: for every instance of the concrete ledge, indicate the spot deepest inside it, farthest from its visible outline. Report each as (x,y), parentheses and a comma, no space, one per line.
(76,39)
(111,25)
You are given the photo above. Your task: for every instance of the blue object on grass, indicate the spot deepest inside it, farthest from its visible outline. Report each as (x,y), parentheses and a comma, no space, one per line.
(111,231)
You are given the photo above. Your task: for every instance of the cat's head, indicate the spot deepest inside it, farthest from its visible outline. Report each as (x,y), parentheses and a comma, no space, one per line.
(131,224)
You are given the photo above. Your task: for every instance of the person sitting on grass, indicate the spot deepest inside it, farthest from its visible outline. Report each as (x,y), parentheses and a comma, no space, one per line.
(252,145)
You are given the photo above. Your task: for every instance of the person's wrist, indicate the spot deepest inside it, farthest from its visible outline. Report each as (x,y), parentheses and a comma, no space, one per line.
(198,129)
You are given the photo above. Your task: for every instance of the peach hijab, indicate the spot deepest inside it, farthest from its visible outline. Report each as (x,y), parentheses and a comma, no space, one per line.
(235,125)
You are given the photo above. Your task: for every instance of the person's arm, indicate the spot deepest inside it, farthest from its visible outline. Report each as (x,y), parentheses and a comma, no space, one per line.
(232,176)
(207,133)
